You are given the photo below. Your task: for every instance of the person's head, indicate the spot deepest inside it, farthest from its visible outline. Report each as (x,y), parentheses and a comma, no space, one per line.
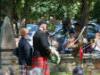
(66,22)
(78,71)
(23,32)
(43,26)
(78,27)
(97,35)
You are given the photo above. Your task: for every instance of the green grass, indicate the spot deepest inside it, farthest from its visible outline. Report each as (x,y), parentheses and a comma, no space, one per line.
(60,73)
(63,73)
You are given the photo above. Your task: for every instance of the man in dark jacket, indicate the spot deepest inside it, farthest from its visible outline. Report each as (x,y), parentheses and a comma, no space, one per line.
(41,49)
(24,52)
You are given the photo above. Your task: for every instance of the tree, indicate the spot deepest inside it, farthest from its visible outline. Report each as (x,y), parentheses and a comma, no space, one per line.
(96,10)
(84,11)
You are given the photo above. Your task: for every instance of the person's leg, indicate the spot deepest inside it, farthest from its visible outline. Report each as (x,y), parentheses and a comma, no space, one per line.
(46,67)
(41,63)
(22,70)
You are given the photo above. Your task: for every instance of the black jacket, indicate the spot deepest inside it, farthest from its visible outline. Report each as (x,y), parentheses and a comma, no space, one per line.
(41,44)
(25,52)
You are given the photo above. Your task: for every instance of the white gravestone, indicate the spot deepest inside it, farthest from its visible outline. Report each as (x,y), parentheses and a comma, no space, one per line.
(7,36)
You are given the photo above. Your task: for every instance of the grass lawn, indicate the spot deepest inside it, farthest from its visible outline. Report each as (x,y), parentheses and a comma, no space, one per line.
(60,73)
(63,73)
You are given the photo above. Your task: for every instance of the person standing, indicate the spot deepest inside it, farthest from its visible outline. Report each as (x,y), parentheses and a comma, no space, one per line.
(24,52)
(41,49)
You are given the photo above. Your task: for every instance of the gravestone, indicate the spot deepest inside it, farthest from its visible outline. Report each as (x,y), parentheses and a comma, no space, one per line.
(7,35)
(7,43)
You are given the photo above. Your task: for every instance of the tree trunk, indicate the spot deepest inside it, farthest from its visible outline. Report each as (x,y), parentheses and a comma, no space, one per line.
(26,9)
(85,9)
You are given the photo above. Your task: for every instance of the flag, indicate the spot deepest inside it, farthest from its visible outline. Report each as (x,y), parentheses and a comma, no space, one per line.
(81,54)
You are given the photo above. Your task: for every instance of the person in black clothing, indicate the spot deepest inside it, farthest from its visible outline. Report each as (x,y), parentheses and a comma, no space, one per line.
(66,22)
(24,51)
(41,49)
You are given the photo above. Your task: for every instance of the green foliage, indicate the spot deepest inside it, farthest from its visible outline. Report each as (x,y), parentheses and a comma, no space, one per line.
(51,27)
(37,8)
(96,10)
(4,6)
(19,7)
(48,8)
